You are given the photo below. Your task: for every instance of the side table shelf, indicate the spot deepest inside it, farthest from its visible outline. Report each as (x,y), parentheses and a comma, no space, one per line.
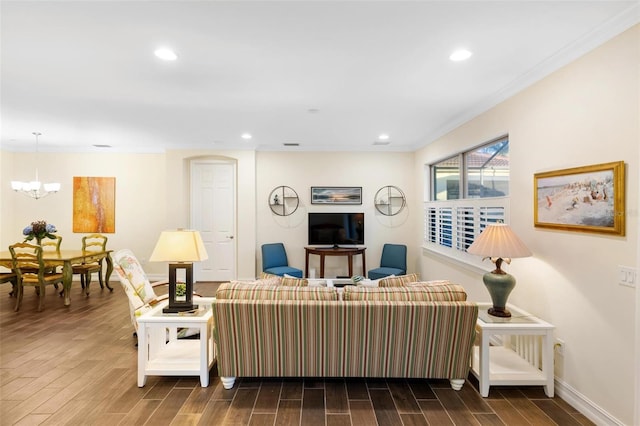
(524,357)
(161,353)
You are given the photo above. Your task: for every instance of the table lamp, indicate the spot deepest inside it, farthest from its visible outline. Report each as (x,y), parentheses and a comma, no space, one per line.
(181,248)
(499,243)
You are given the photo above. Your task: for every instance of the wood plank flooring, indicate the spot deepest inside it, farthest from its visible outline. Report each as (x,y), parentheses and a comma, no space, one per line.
(77,365)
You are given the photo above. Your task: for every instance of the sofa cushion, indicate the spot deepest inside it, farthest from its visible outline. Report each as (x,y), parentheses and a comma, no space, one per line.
(398,281)
(258,292)
(414,293)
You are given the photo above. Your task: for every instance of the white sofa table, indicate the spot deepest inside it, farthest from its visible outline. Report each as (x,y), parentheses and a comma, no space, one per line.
(524,355)
(161,353)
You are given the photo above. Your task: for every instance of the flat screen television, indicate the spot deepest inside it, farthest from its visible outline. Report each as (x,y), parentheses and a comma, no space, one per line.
(336,229)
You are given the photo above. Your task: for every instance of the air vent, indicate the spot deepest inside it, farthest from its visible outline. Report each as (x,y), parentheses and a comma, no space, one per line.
(381,142)
(102,146)
(291,144)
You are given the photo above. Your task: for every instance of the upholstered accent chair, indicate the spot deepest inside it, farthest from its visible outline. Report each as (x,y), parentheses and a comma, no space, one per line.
(274,261)
(92,242)
(139,290)
(31,271)
(392,262)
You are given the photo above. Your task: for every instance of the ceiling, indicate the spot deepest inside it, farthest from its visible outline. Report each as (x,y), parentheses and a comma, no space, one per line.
(327,75)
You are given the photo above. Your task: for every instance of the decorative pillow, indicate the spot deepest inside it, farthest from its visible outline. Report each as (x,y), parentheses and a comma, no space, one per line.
(265,281)
(294,282)
(253,292)
(424,293)
(269,279)
(398,281)
(432,282)
(317,282)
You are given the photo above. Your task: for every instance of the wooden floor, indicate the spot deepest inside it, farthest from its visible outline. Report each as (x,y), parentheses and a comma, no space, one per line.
(77,366)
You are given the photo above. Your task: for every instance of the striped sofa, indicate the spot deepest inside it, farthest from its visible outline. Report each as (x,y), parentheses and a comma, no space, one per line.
(419,331)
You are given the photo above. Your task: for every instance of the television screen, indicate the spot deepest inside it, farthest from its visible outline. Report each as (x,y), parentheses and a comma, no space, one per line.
(336,228)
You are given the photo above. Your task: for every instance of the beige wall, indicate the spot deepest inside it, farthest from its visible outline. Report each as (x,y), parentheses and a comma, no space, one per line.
(301,171)
(586,113)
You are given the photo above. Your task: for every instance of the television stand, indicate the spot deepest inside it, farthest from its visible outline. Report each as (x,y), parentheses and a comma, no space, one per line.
(335,251)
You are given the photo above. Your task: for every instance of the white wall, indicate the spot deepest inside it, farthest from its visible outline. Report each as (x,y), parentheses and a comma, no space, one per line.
(301,171)
(586,113)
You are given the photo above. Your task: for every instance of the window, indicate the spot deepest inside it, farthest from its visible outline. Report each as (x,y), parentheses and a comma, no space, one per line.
(468,191)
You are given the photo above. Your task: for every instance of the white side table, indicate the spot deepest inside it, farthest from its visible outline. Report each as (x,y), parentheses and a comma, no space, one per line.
(525,356)
(161,353)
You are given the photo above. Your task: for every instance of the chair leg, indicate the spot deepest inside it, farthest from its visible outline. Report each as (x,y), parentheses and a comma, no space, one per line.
(20,289)
(41,298)
(87,281)
(100,279)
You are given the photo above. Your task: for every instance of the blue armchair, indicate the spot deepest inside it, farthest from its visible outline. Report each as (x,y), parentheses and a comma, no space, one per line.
(393,262)
(274,261)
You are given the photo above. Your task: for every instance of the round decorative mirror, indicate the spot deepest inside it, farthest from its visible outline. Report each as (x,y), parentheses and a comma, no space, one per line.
(283,200)
(390,200)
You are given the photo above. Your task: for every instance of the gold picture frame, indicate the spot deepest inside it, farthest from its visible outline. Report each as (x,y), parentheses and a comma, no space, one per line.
(585,199)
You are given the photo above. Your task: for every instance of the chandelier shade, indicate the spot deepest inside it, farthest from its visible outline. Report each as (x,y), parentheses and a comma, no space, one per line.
(35,189)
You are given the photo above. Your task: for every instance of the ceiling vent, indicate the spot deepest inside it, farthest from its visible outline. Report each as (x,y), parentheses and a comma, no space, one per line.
(102,146)
(291,144)
(381,143)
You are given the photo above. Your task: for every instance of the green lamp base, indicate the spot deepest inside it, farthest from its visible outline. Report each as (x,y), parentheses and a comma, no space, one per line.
(499,287)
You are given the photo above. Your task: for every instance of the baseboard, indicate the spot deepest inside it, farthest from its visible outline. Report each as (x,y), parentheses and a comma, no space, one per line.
(584,405)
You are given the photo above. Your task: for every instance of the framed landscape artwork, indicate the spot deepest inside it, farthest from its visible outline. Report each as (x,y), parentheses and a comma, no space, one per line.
(94,204)
(587,199)
(336,195)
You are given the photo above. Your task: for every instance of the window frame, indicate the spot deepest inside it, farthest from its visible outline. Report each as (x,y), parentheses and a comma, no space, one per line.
(450,226)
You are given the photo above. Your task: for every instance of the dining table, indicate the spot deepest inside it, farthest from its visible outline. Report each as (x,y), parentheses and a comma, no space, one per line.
(66,259)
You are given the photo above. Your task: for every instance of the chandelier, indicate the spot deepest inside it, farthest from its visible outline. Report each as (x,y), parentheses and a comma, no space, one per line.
(35,189)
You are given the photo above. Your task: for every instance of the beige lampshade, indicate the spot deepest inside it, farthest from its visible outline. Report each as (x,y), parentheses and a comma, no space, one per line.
(181,245)
(498,240)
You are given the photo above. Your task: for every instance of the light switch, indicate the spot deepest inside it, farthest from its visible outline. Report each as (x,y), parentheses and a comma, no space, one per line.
(627,276)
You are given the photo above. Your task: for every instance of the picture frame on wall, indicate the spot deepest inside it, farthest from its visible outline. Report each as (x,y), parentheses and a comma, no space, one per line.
(585,199)
(336,195)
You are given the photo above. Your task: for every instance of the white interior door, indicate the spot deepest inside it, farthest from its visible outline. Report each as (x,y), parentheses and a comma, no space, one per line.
(213,195)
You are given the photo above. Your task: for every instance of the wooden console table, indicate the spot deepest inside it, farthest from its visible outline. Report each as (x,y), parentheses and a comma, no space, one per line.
(339,251)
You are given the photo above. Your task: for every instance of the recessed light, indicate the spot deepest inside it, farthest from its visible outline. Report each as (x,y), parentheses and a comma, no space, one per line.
(383,137)
(165,54)
(460,55)
(246,136)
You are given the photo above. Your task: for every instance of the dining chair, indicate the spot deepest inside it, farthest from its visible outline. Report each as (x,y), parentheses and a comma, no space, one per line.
(91,242)
(9,277)
(48,244)
(27,258)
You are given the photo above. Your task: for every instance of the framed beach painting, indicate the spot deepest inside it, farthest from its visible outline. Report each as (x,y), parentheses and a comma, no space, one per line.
(336,195)
(586,199)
